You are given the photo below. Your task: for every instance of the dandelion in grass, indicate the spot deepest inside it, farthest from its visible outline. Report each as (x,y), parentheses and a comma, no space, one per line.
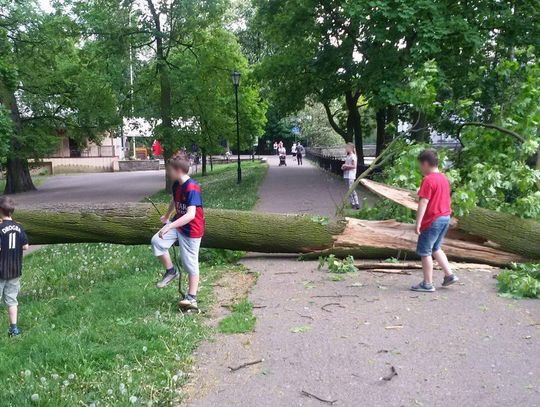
(144,349)
(43,380)
(34,397)
(65,383)
(110,392)
(133,399)
(54,375)
(27,373)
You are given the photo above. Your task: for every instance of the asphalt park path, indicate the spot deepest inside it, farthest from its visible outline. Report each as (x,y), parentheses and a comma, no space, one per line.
(94,188)
(462,346)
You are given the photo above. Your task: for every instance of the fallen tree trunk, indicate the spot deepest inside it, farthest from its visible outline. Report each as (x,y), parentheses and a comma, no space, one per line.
(250,231)
(500,230)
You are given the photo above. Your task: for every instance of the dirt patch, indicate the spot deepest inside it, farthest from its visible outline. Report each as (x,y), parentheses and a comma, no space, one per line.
(232,287)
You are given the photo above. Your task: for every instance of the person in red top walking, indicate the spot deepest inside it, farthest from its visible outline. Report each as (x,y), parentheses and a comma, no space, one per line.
(432,221)
(186,227)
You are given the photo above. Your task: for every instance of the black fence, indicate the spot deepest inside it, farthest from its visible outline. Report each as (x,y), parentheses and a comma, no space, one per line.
(326,162)
(331,163)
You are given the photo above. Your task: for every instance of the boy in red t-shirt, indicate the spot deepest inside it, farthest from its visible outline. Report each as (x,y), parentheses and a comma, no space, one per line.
(432,221)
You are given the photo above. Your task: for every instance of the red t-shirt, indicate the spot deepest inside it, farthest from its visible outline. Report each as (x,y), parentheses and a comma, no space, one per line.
(436,188)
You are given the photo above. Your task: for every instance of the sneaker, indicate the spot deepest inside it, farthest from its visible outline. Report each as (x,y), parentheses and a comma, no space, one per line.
(449,280)
(423,287)
(188,303)
(167,279)
(15,331)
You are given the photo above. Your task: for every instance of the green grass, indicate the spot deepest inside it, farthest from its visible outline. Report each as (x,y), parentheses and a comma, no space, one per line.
(241,319)
(97,332)
(220,188)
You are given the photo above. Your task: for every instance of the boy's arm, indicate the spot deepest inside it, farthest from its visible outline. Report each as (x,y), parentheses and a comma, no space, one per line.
(165,218)
(420,212)
(183,220)
(26,247)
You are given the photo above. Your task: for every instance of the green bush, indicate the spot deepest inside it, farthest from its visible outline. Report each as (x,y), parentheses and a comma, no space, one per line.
(520,281)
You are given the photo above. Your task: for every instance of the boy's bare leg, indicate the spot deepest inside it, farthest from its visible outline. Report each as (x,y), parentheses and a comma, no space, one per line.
(193,285)
(427,268)
(12,313)
(166,261)
(442,260)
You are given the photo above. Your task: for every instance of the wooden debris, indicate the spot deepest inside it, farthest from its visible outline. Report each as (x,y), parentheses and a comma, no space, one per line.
(389,271)
(247,364)
(336,304)
(363,265)
(313,396)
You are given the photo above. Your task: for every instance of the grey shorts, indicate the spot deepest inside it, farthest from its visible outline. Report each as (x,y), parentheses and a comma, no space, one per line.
(9,289)
(189,249)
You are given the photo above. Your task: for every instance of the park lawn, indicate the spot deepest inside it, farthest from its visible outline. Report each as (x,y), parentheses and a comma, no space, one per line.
(220,188)
(97,332)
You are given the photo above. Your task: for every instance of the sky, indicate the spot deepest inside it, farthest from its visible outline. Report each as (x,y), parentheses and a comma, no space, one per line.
(45,5)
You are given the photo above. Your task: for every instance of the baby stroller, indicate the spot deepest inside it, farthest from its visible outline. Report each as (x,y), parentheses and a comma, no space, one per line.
(282,160)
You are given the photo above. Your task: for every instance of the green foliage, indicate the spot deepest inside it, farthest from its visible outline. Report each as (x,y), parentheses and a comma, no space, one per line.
(219,257)
(241,320)
(338,266)
(520,281)
(321,220)
(500,180)
(385,209)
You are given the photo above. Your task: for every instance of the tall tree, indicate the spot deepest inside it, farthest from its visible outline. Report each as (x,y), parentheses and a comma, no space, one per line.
(50,83)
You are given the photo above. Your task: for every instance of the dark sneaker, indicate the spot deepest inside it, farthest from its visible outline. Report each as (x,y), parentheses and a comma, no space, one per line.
(15,331)
(168,278)
(188,303)
(423,287)
(449,280)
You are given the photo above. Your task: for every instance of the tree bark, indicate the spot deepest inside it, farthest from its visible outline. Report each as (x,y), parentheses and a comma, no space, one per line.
(18,176)
(18,173)
(496,229)
(420,130)
(250,231)
(354,126)
(165,90)
(381,131)
(203,164)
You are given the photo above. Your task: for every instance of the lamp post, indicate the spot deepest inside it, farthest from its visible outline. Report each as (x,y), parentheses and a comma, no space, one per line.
(235,76)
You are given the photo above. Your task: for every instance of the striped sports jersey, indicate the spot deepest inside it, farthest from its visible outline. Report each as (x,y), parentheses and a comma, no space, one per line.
(185,195)
(12,240)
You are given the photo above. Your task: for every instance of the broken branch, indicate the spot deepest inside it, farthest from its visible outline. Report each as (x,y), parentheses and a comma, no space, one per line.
(247,364)
(313,396)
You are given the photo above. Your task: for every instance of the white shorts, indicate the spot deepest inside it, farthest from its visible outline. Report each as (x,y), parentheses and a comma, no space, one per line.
(189,249)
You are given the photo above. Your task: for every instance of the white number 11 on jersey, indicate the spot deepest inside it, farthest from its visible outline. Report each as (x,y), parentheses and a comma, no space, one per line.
(12,241)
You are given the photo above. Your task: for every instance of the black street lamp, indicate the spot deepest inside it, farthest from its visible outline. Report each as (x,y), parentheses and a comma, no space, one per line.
(236,82)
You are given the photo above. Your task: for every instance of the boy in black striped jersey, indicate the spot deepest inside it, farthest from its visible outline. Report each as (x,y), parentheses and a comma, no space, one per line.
(13,241)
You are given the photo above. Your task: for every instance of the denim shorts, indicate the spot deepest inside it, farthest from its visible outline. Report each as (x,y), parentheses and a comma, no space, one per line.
(430,240)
